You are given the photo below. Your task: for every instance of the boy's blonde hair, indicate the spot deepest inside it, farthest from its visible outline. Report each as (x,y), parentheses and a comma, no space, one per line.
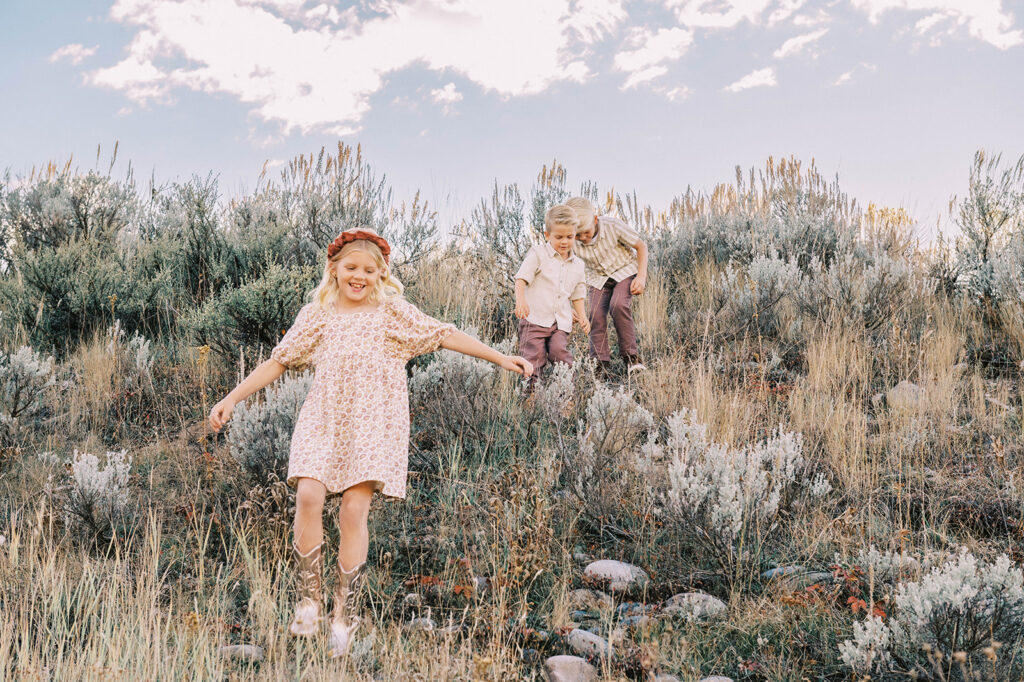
(327,293)
(559,215)
(584,210)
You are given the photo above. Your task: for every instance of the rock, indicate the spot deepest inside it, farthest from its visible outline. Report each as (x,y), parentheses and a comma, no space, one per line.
(631,624)
(905,395)
(531,655)
(798,581)
(782,572)
(632,608)
(413,600)
(636,622)
(569,669)
(242,652)
(665,678)
(620,575)
(582,558)
(420,624)
(591,600)
(450,629)
(579,615)
(586,643)
(717,678)
(695,606)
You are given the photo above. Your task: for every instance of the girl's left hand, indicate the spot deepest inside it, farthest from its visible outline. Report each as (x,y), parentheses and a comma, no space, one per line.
(514,363)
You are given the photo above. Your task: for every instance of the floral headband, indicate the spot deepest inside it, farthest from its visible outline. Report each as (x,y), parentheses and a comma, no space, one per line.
(353,235)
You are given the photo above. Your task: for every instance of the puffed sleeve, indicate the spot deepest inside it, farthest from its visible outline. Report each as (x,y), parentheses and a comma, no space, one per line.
(296,348)
(412,332)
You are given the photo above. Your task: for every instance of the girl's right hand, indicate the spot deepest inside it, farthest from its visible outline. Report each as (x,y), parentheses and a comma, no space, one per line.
(221,413)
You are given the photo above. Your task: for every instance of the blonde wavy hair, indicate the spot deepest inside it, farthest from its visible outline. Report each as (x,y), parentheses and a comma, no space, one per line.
(585,211)
(328,292)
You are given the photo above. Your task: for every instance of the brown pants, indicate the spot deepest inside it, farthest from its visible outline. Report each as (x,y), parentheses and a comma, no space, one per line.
(540,344)
(615,298)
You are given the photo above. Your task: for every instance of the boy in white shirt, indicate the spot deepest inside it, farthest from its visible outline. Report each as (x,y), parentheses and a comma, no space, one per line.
(550,288)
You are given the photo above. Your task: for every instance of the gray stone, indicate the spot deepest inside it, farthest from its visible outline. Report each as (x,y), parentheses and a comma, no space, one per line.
(587,643)
(717,678)
(665,678)
(905,395)
(620,575)
(695,606)
(426,624)
(591,600)
(798,581)
(569,669)
(242,652)
(632,608)
(782,572)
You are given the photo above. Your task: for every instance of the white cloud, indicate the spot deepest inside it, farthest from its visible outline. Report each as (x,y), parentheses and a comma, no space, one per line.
(310,74)
(785,10)
(848,76)
(650,50)
(446,97)
(74,53)
(984,19)
(678,94)
(798,43)
(593,20)
(759,78)
(718,13)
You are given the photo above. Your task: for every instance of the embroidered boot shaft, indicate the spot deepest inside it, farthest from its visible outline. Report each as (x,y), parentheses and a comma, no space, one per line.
(310,596)
(344,620)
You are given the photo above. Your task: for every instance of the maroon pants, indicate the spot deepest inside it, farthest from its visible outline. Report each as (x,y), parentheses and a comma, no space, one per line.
(539,344)
(614,298)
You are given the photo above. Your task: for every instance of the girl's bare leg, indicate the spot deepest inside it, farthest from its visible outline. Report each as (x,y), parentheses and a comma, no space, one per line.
(309,514)
(309,534)
(352,518)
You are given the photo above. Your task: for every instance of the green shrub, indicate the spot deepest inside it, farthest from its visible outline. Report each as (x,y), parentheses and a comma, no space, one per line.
(255,314)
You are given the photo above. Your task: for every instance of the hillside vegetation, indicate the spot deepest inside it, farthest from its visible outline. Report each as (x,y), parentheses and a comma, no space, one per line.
(825,396)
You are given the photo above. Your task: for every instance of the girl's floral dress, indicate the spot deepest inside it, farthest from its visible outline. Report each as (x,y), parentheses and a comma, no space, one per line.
(354,424)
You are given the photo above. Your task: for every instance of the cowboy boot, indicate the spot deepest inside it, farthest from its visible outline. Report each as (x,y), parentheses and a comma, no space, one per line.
(307,610)
(344,620)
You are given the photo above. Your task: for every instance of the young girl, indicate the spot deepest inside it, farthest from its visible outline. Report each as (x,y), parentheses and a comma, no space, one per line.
(352,433)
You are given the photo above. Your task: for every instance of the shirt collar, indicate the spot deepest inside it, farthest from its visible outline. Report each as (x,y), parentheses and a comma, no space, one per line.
(550,250)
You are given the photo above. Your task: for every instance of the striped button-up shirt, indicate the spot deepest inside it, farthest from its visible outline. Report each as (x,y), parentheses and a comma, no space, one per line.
(551,283)
(611,253)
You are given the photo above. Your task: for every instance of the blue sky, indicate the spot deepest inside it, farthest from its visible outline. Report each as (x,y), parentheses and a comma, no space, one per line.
(446,96)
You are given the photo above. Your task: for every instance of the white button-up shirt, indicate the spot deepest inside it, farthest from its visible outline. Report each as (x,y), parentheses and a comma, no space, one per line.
(552,283)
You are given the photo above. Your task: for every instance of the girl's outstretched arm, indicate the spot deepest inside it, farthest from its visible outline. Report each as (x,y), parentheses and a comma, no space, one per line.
(266,373)
(464,343)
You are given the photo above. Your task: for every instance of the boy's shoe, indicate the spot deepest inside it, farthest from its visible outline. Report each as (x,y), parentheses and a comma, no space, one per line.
(633,364)
(603,370)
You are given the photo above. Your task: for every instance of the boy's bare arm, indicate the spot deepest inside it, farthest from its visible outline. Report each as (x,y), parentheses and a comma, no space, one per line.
(580,315)
(522,309)
(265,373)
(640,281)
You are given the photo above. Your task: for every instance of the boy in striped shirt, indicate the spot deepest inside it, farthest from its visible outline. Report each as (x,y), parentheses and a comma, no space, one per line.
(616,269)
